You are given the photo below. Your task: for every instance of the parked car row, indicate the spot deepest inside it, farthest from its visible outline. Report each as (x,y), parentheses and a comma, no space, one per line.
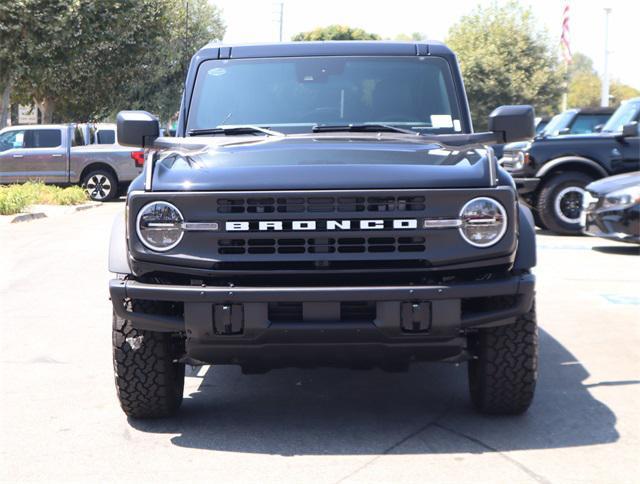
(611,208)
(69,154)
(552,171)
(571,121)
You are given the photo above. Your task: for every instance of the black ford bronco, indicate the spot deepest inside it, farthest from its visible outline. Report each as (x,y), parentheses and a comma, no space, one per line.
(551,172)
(323,204)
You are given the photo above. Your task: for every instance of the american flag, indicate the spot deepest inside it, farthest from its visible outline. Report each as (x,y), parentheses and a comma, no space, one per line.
(564,38)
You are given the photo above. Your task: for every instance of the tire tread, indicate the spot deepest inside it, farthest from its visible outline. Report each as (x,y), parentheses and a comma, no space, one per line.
(503,377)
(149,383)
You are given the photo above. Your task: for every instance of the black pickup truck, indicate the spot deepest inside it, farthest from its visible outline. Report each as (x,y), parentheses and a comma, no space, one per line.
(552,171)
(323,203)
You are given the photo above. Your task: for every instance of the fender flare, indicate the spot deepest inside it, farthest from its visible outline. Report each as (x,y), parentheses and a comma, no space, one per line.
(547,167)
(118,252)
(526,257)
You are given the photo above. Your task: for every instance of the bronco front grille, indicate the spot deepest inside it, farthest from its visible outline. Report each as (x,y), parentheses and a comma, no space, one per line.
(321,245)
(321,204)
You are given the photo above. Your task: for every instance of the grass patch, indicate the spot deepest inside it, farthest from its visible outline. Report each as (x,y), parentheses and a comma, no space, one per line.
(15,198)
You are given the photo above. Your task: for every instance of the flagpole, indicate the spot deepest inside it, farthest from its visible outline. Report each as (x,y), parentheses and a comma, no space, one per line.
(604,93)
(565,92)
(566,54)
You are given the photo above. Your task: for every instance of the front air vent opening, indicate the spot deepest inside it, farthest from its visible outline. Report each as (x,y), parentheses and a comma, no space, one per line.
(321,204)
(341,245)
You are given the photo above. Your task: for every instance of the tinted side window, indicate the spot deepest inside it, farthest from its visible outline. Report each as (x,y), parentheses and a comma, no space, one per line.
(11,140)
(106,137)
(43,138)
(585,123)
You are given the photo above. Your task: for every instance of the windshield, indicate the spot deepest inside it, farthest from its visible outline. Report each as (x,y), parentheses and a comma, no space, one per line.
(295,94)
(625,114)
(558,123)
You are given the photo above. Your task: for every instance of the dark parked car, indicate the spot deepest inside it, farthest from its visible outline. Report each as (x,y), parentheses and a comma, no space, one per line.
(348,217)
(551,172)
(612,208)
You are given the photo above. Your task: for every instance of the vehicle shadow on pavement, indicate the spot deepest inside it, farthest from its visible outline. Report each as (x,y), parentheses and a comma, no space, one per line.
(619,250)
(347,412)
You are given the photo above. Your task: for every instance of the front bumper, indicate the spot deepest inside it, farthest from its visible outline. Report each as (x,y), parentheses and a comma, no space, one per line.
(615,223)
(245,325)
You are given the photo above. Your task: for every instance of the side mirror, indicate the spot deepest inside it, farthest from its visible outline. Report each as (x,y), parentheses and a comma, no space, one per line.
(598,128)
(564,131)
(513,123)
(630,130)
(137,128)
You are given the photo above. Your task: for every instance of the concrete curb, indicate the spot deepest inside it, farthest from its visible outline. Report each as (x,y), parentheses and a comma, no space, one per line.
(36,212)
(86,206)
(27,217)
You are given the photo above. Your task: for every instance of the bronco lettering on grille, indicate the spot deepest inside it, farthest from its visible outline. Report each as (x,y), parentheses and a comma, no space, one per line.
(326,225)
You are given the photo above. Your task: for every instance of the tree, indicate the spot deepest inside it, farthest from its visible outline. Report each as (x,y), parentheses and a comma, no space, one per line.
(580,64)
(415,36)
(584,90)
(32,34)
(621,92)
(162,71)
(336,32)
(505,59)
(585,85)
(102,56)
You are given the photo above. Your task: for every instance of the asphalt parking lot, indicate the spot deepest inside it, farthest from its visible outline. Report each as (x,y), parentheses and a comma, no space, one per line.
(60,419)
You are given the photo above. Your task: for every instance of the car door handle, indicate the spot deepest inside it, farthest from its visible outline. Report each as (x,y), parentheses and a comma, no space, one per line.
(18,156)
(58,155)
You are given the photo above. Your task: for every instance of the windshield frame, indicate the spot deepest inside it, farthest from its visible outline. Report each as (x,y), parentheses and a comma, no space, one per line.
(622,110)
(457,96)
(559,122)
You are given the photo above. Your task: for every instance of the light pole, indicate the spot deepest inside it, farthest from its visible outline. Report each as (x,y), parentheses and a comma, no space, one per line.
(604,94)
(280,19)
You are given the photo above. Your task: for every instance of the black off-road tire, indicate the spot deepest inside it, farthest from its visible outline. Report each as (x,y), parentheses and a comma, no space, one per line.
(546,206)
(503,373)
(149,381)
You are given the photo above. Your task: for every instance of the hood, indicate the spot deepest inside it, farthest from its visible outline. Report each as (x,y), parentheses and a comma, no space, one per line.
(613,183)
(317,161)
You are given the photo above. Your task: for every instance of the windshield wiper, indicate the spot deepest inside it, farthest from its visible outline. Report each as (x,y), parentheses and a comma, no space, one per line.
(360,128)
(234,130)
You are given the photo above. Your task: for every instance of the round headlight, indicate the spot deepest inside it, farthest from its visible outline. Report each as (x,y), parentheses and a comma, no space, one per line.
(159,226)
(484,222)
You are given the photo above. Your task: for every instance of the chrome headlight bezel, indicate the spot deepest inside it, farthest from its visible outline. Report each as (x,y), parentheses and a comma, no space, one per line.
(463,224)
(178,225)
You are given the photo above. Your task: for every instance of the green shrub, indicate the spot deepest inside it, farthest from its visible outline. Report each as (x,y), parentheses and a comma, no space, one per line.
(15,198)
(12,201)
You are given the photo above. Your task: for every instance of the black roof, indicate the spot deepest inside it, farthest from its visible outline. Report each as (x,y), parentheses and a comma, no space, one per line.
(607,110)
(324,48)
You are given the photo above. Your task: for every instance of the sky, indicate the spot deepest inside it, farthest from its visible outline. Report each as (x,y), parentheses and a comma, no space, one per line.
(256,21)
